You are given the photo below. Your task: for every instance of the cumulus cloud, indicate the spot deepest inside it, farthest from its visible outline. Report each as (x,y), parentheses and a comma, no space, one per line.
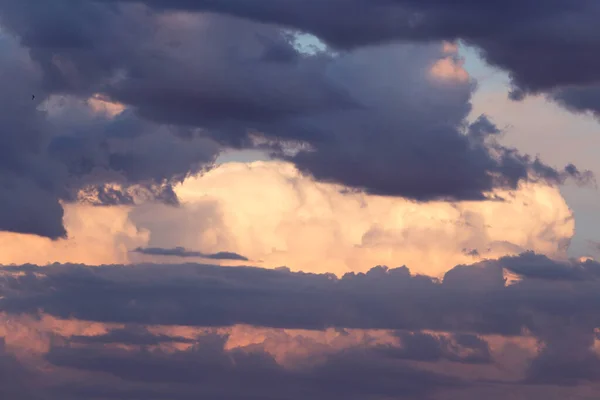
(269,212)
(97,235)
(53,146)
(561,33)
(580,99)
(287,219)
(467,298)
(379,163)
(388,119)
(207,368)
(129,326)
(14,376)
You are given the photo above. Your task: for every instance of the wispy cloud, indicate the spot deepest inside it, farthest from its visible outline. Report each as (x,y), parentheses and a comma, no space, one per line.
(182,252)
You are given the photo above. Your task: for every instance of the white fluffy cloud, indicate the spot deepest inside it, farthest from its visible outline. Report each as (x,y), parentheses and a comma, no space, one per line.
(273,215)
(97,235)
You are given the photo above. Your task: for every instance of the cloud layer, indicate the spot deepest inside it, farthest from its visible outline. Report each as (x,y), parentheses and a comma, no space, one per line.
(561,34)
(55,146)
(388,119)
(113,114)
(181,296)
(271,213)
(180,331)
(518,36)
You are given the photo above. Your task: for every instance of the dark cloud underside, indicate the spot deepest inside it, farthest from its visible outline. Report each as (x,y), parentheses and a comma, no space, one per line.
(182,252)
(372,118)
(548,303)
(542,47)
(472,298)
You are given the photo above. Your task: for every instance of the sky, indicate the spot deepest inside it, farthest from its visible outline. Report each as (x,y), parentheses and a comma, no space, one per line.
(290,199)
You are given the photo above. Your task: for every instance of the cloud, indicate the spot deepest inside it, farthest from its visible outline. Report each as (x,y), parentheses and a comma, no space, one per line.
(66,370)
(433,322)
(561,34)
(535,266)
(388,119)
(54,146)
(493,26)
(467,299)
(209,368)
(182,252)
(426,347)
(161,329)
(580,99)
(131,335)
(289,219)
(210,357)
(14,377)
(379,164)
(97,235)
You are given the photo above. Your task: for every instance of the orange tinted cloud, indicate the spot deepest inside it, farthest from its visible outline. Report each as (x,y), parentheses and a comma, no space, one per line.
(103,106)
(269,212)
(31,338)
(449,68)
(97,235)
(450,47)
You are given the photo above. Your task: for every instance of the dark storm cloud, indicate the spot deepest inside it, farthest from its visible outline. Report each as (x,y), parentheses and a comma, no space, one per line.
(470,298)
(209,370)
(567,357)
(51,147)
(182,252)
(559,311)
(419,346)
(535,32)
(15,377)
(88,367)
(28,177)
(169,68)
(372,119)
(530,265)
(582,99)
(541,46)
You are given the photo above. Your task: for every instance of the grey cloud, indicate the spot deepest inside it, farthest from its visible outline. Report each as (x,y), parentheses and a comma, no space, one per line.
(28,177)
(182,252)
(130,335)
(567,356)
(372,118)
(414,346)
(470,298)
(419,346)
(535,266)
(208,369)
(128,150)
(52,148)
(581,99)
(518,36)
(89,367)
(177,74)
(15,378)
(560,31)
